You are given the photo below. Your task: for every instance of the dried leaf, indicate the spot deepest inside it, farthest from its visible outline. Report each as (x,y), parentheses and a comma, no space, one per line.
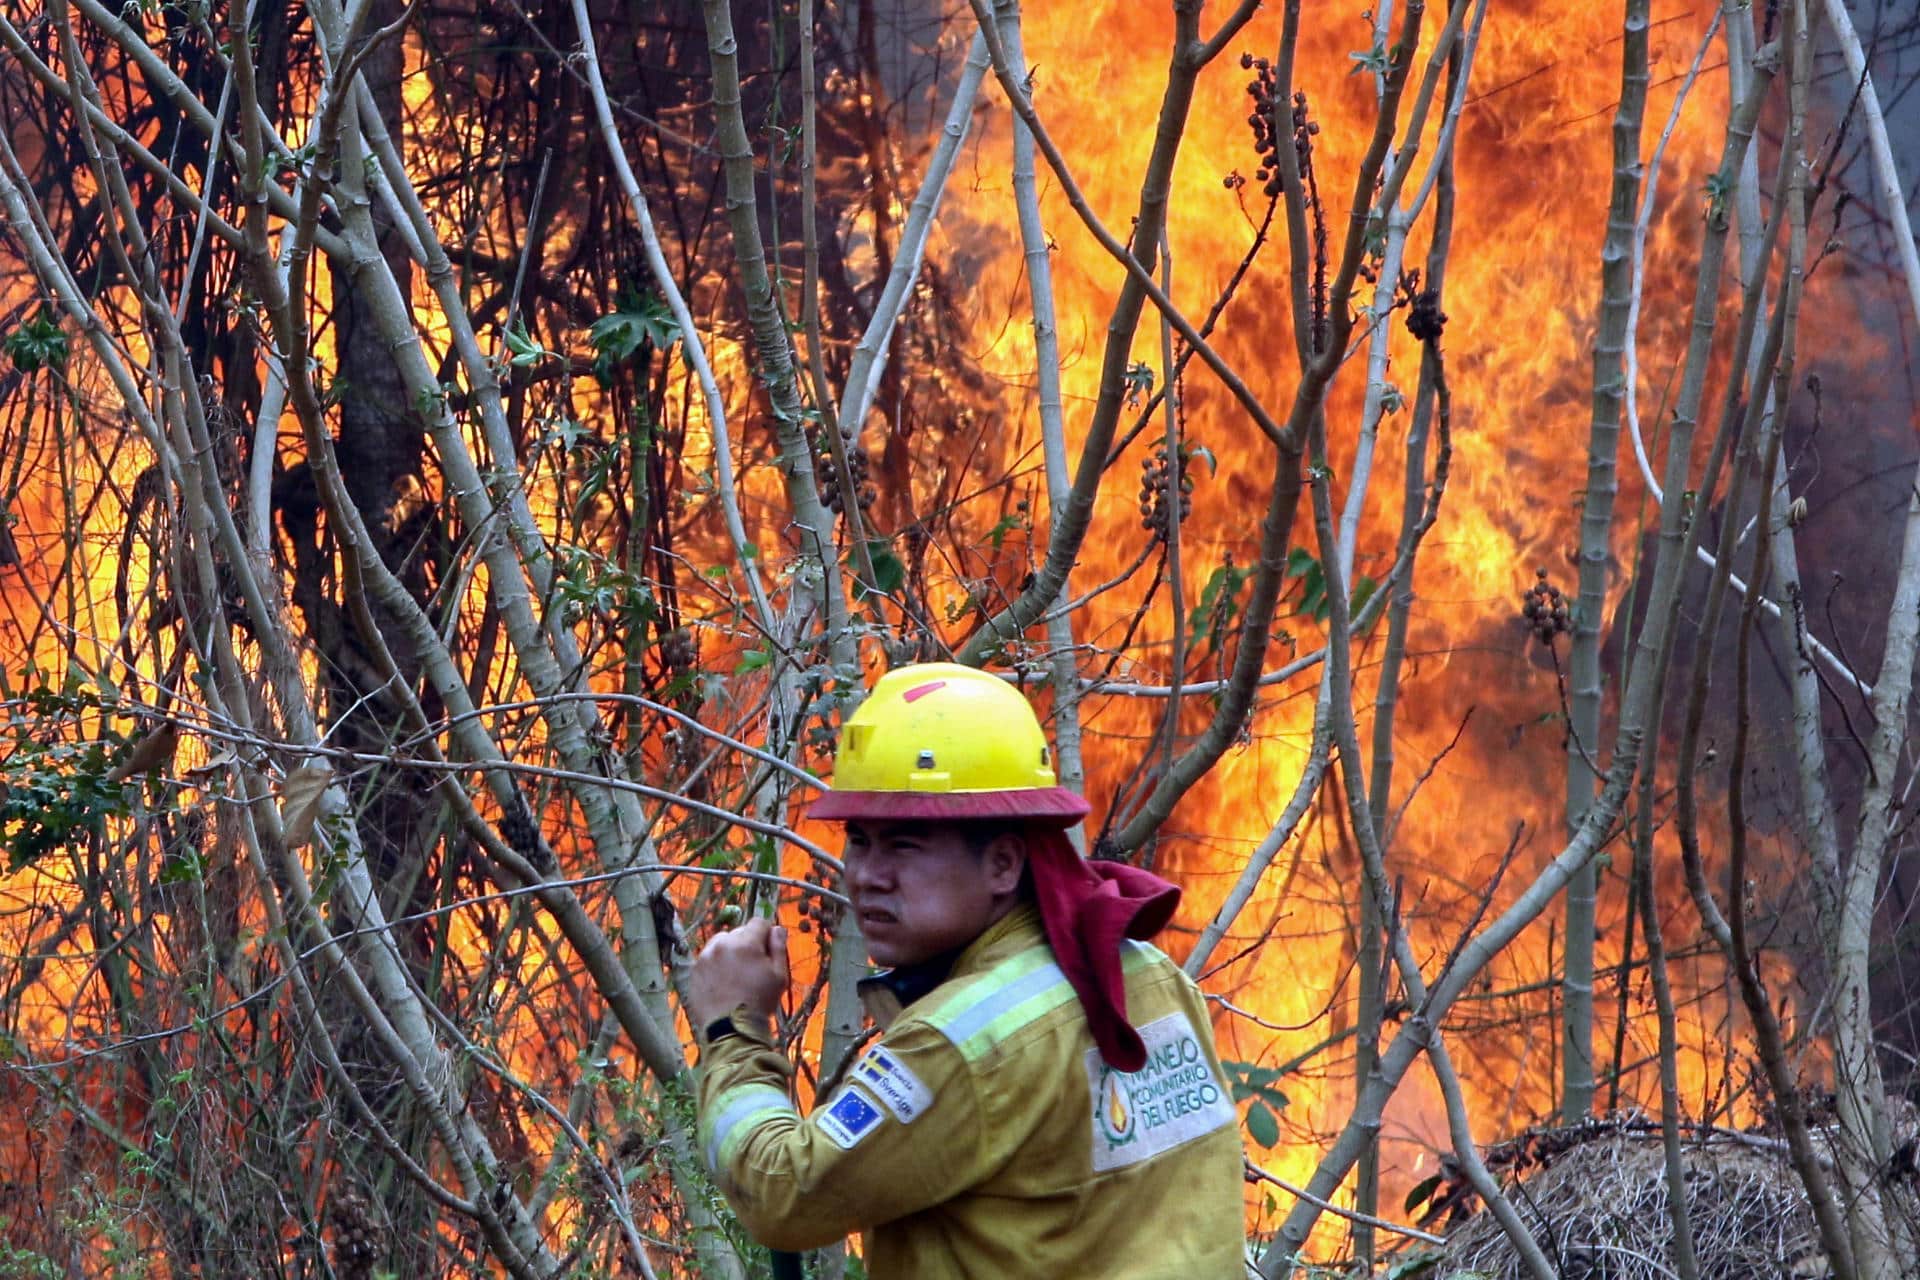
(152,754)
(300,798)
(200,774)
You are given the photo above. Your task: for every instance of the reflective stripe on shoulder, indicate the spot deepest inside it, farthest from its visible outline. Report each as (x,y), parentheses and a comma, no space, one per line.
(736,1113)
(998,1002)
(1014,993)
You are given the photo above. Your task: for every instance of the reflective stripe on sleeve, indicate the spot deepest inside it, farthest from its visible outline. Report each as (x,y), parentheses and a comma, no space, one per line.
(736,1113)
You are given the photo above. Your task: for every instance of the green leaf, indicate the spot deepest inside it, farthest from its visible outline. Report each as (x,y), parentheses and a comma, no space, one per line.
(522,350)
(1374,60)
(183,870)
(61,785)
(753,661)
(889,572)
(1305,566)
(1262,1126)
(1219,603)
(1422,1193)
(637,320)
(599,473)
(1363,589)
(37,343)
(1006,525)
(1250,1080)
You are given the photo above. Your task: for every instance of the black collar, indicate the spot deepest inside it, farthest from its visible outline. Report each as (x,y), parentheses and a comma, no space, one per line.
(886,993)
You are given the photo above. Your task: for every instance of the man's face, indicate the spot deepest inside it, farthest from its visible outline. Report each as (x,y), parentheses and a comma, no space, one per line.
(920,889)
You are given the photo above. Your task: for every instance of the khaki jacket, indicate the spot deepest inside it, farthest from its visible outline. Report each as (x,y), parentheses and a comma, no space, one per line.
(984,1137)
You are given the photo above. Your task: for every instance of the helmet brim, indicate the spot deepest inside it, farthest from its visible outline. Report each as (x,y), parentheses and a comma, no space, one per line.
(1042,806)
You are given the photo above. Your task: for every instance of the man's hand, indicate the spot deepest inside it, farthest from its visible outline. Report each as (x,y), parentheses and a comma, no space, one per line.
(744,966)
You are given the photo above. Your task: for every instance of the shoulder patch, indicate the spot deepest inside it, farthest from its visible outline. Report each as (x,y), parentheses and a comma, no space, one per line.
(850,1117)
(1175,1097)
(894,1084)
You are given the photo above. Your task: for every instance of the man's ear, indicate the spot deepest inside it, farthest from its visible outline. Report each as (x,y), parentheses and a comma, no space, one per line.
(1003,860)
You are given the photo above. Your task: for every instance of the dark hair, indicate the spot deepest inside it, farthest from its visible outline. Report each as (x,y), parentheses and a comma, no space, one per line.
(981,832)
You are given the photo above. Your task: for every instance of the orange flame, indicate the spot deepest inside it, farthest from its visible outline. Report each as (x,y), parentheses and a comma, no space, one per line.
(1533,179)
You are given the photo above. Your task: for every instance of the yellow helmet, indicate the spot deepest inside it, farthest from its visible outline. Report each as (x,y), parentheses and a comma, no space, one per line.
(942,742)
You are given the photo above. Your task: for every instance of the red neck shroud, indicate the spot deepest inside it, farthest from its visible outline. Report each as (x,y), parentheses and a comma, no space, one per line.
(1088,909)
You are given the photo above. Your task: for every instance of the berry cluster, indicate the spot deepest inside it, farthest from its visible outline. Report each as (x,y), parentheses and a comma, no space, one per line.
(1156,481)
(1545,609)
(829,479)
(1425,319)
(522,835)
(356,1243)
(1265,139)
(679,651)
(818,911)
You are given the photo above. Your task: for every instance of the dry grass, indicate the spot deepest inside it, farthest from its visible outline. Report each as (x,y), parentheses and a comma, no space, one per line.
(1596,1199)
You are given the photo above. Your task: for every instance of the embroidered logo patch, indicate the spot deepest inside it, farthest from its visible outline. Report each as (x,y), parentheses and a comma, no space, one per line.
(894,1084)
(852,1116)
(1173,1098)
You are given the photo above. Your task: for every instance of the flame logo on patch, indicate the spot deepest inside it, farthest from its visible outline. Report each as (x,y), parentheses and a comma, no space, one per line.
(1115,1120)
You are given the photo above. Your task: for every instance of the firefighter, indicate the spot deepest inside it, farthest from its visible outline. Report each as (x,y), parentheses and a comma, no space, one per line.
(1045,1100)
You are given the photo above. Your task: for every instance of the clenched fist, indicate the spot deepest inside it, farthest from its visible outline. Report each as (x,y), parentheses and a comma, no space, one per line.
(745,966)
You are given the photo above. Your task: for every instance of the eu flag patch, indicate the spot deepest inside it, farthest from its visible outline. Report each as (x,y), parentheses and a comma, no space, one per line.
(850,1117)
